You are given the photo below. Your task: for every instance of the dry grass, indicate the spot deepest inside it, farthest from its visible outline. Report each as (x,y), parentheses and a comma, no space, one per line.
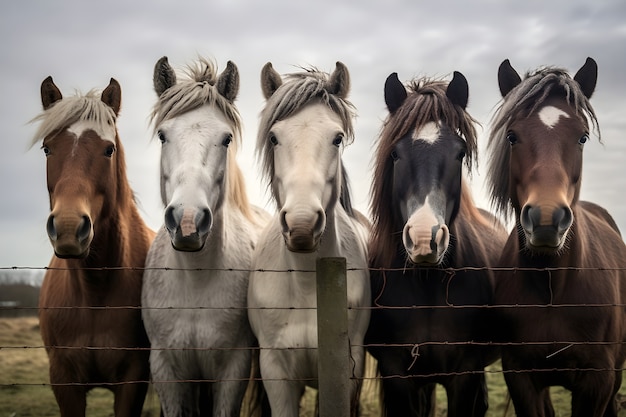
(24,389)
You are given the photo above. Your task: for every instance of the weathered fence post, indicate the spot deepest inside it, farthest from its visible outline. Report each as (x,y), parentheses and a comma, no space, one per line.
(332,334)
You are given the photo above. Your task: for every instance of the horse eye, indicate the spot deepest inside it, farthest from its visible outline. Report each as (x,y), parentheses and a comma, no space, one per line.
(227,140)
(584,138)
(394,156)
(511,137)
(273,140)
(461,155)
(46,150)
(108,152)
(161,136)
(338,140)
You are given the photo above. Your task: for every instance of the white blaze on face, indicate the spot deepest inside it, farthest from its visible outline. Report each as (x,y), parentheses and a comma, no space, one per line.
(550,115)
(106,133)
(428,133)
(425,236)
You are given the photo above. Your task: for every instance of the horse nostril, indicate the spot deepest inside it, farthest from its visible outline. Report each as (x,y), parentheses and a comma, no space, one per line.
(205,221)
(84,229)
(283,221)
(562,218)
(51,228)
(320,224)
(406,237)
(171,223)
(530,217)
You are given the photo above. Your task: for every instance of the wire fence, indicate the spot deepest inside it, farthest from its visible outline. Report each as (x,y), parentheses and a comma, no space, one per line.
(559,345)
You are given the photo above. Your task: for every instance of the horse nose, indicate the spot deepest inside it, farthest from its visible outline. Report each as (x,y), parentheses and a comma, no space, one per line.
(70,238)
(188,227)
(560,218)
(426,246)
(546,226)
(302,229)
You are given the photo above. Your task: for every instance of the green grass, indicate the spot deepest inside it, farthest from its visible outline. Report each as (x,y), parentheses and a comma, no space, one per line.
(24,389)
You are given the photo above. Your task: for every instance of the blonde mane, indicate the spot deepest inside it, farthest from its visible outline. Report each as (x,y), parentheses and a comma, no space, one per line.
(70,110)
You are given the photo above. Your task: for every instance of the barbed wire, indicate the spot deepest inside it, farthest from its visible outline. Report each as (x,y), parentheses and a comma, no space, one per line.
(289,270)
(313,379)
(451,271)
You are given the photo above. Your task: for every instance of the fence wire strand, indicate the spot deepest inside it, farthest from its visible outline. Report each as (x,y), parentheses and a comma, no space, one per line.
(451,271)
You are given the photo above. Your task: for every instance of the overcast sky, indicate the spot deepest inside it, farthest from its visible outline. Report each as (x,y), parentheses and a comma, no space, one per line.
(82,44)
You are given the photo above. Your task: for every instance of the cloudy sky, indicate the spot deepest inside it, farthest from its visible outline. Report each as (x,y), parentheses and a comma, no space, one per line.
(82,44)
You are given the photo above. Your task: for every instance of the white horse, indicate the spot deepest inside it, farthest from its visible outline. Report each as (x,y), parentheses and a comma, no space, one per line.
(304,128)
(195,313)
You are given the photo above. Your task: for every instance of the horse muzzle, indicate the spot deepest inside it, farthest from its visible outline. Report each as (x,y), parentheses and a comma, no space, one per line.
(426,246)
(545,228)
(70,234)
(302,232)
(188,227)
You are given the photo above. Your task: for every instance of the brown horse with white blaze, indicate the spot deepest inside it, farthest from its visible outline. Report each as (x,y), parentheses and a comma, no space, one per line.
(563,287)
(89,304)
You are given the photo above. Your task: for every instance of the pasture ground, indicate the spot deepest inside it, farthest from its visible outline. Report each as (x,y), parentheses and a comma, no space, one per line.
(24,389)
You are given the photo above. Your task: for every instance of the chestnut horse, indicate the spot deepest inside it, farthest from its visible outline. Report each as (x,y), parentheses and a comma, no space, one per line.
(562,293)
(89,304)
(425,221)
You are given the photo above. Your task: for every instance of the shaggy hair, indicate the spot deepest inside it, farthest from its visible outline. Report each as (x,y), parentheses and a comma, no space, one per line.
(426,102)
(298,90)
(198,89)
(70,110)
(519,103)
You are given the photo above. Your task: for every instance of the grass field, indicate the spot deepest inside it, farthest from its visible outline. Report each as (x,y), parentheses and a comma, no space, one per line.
(24,389)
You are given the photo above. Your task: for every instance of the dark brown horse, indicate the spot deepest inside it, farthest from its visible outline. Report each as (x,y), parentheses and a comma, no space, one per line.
(425,221)
(569,251)
(93,224)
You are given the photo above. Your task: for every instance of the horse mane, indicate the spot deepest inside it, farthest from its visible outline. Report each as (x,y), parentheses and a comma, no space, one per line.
(521,102)
(426,102)
(197,88)
(298,90)
(70,110)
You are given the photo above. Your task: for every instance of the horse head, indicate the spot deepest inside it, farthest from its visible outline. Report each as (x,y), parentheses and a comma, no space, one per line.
(423,159)
(305,126)
(197,124)
(83,163)
(545,132)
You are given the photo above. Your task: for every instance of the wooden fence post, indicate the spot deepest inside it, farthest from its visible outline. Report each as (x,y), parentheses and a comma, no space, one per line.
(332,334)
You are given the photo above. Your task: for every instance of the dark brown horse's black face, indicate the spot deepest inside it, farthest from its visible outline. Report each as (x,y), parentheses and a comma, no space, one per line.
(546,166)
(427,190)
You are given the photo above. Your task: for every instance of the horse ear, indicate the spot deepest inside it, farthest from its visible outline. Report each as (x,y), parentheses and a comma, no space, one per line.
(112,96)
(164,76)
(228,82)
(587,76)
(339,81)
(508,78)
(50,93)
(395,93)
(458,90)
(270,80)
